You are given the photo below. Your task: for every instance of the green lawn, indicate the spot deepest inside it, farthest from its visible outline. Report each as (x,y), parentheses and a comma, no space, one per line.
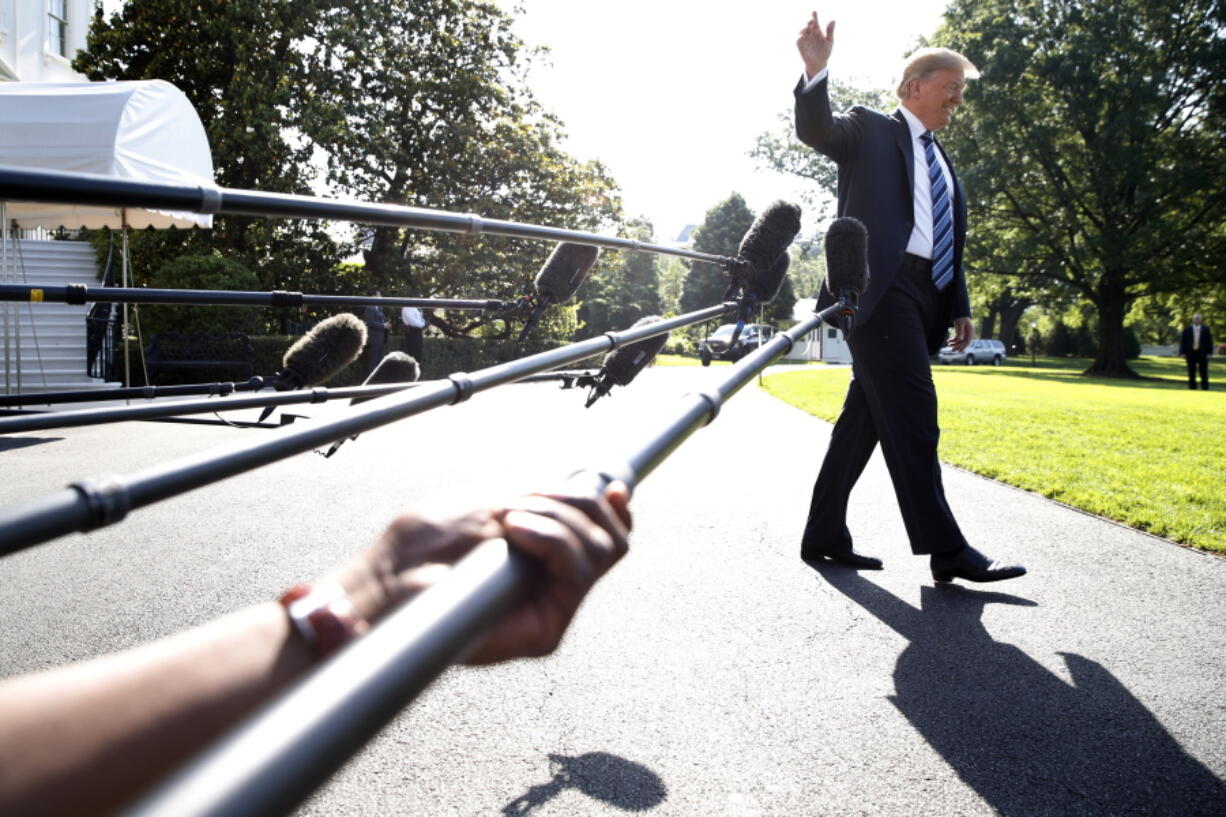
(1149,453)
(685,360)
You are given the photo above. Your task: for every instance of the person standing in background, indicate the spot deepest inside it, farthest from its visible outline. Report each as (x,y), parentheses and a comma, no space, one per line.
(1195,346)
(377,326)
(414,328)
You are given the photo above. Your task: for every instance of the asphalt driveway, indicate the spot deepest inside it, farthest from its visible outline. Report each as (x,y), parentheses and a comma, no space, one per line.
(712,673)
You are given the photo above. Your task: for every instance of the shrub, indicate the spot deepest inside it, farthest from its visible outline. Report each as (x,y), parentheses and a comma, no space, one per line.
(209,272)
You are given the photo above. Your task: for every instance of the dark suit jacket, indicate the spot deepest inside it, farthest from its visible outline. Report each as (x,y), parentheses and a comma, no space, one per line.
(876,175)
(1206,342)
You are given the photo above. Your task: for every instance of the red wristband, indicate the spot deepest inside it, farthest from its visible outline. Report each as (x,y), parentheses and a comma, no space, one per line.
(322,614)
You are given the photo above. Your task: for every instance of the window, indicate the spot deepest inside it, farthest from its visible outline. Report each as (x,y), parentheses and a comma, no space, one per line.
(57,27)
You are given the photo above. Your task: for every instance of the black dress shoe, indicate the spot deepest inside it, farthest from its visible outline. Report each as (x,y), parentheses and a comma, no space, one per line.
(973,566)
(843,554)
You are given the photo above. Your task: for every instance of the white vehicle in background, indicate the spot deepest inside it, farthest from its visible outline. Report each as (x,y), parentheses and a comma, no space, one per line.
(980,351)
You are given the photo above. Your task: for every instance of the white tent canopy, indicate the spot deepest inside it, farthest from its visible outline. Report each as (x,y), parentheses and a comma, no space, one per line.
(137,131)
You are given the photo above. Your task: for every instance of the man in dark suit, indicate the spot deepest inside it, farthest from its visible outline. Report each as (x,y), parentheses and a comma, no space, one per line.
(1195,346)
(377,326)
(896,178)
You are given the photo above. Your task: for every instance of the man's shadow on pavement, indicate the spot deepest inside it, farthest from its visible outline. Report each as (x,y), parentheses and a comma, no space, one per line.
(1025,740)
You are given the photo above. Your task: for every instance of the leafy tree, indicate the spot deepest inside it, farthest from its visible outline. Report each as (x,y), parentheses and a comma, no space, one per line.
(201,272)
(1159,319)
(781,151)
(1092,147)
(246,87)
(672,277)
(719,234)
(618,294)
(417,102)
(425,103)
(808,270)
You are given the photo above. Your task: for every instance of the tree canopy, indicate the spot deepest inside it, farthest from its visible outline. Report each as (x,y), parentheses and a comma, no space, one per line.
(720,234)
(779,150)
(1092,148)
(416,102)
(246,89)
(618,293)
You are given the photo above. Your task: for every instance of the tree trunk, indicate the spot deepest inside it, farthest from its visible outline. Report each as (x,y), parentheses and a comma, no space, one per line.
(987,324)
(1009,316)
(1112,304)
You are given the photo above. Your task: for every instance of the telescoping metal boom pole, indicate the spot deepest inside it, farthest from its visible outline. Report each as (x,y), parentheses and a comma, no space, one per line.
(272,762)
(81,294)
(162,409)
(58,187)
(43,420)
(93,503)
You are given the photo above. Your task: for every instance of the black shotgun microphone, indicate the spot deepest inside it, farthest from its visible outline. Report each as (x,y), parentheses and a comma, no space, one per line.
(623,364)
(330,346)
(765,287)
(767,238)
(321,353)
(396,367)
(559,278)
(847,268)
(762,260)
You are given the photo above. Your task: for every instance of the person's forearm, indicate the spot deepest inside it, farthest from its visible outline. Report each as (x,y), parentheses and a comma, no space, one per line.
(87,738)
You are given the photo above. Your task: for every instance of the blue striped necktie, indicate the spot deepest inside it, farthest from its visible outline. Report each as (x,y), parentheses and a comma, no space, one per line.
(942,218)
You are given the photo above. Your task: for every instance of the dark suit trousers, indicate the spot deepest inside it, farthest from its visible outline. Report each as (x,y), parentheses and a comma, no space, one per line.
(891,400)
(1198,361)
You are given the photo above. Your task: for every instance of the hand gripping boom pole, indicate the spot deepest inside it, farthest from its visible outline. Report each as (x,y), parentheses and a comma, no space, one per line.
(94,503)
(273,761)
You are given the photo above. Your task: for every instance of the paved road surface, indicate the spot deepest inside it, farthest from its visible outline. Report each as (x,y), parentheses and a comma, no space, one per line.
(712,673)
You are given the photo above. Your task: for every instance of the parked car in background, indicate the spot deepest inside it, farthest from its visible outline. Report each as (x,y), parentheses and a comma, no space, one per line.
(980,351)
(718,345)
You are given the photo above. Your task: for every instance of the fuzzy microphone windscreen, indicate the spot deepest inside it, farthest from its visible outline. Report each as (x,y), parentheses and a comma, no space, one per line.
(766,287)
(319,354)
(623,364)
(396,367)
(767,238)
(846,257)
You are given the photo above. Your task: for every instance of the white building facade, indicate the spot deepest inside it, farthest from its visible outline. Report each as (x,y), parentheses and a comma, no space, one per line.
(39,38)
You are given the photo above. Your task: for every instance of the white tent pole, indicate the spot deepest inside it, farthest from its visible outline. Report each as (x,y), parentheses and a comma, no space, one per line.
(12,239)
(127,365)
(4,276)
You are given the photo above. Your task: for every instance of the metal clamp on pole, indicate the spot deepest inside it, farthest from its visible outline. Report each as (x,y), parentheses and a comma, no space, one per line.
(210,200)
(464,386)
(714,400)
(282,298)
(75,294)
(107,498)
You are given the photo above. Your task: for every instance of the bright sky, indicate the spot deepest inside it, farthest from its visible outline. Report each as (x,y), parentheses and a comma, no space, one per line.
(671,94)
